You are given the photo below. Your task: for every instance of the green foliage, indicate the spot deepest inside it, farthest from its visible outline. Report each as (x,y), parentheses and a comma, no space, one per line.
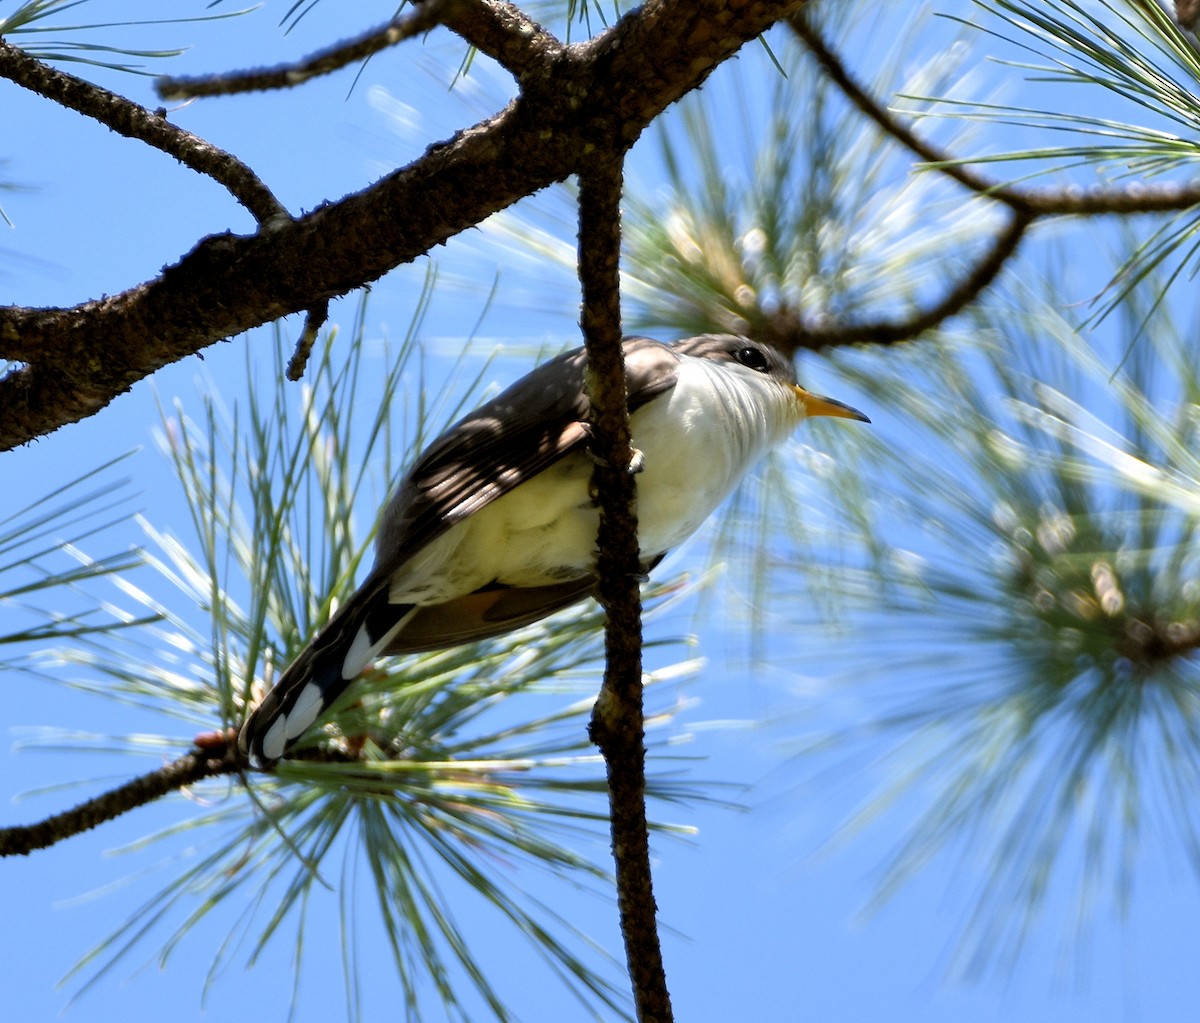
(27,21)
(1125,58)
(1134,53)
(998,579)
(807,216)
(1033,673)
(41,550)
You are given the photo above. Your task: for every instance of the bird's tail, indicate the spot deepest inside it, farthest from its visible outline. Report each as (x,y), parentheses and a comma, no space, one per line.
(320,673)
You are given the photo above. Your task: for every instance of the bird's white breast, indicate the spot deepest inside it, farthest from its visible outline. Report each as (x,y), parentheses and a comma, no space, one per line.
(698,440)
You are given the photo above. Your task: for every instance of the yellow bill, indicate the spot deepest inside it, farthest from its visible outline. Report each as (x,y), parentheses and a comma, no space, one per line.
(815,405)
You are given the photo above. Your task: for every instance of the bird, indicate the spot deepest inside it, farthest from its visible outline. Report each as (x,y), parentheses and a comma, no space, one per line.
(494,525)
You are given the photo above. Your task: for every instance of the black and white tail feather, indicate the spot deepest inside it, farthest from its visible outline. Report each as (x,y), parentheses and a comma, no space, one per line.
(352,639)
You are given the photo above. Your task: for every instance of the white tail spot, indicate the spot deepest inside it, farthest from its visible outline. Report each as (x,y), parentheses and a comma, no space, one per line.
(304,712)
(362,651)
(275,741)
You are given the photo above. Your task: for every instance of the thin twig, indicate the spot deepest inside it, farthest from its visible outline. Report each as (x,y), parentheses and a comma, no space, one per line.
(1070,200)
(794,336)
(136,122)
(856,94)
(314,320)
(1027,205)
(617,725)
(333,58)
(22,839)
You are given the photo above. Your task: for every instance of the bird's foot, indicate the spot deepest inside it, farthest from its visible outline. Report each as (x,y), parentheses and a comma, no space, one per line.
(637,460)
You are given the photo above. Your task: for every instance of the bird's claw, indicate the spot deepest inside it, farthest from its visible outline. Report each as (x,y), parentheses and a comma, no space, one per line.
(637,460)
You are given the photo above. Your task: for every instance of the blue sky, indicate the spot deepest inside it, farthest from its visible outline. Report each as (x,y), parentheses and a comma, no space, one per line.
(764,917)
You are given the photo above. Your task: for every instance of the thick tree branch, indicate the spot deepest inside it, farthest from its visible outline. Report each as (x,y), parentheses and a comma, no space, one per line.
(136,122)
(333,58)
(79,359)
(20,840)
(617,725)
(505,33)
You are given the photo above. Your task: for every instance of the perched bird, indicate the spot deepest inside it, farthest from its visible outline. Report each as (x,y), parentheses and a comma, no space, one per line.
(494,526)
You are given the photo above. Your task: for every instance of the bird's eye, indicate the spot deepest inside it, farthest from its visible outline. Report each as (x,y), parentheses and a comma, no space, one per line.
(753,358)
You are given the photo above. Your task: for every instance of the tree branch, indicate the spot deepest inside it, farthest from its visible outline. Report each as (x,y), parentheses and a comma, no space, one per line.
(505,33)
(791,336)
(136,122)
(886,121)
(78,359)
(22,839)
(426,16)
(1071,200)
(1026,205)
(502,31)
(314,320)
(617,725)
(1099,200)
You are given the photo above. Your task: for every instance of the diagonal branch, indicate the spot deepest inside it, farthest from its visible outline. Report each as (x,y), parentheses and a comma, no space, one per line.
(1026,206)
(136,122)
(499,29)
(792,336)
(76,360)
(1135,198)
(22,839)
(505,33)
(427,16)
(889,123)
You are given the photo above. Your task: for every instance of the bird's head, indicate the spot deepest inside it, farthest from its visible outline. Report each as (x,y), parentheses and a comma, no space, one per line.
(758,358)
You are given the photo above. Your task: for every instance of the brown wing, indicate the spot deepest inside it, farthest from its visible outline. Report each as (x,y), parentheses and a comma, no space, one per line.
(527,428)
(488,612)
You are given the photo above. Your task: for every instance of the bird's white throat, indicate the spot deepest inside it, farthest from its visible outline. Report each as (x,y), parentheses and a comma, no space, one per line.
(699,441)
